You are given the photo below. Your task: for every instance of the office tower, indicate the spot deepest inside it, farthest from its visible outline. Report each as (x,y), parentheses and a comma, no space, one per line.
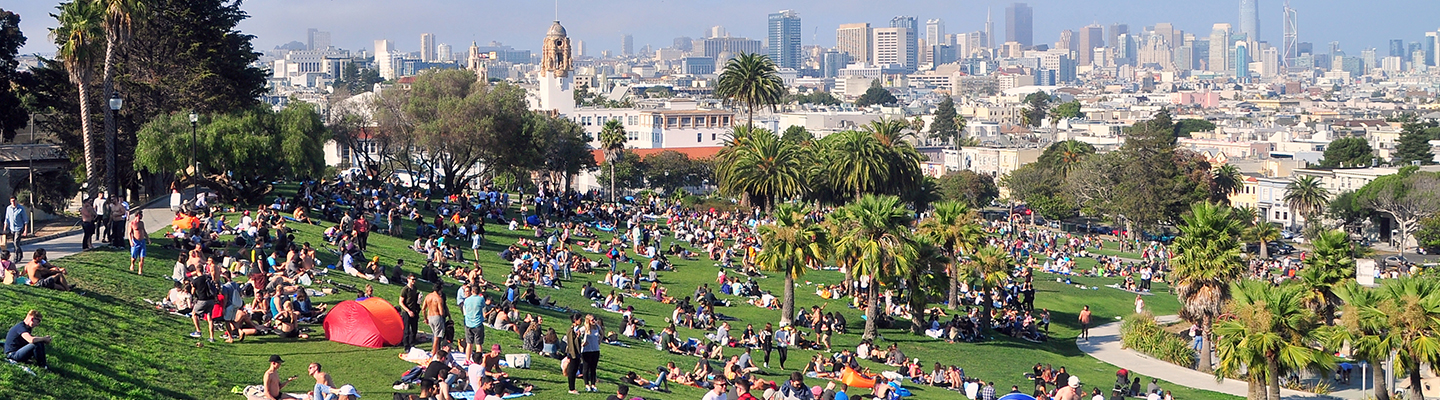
(627,45)
(1269,62)
(1397,48)
(684,43)
(831,62)
(935,32)
(1090,38)
(1168,32)
(893,46)
(1115,31)
(1291,41)
(1125,50)
(427,47)
(316,39)
(716,31)
(785,39)
(854,39)
(1418,60)
(1250,19)
(989,31)
(385,56)
(1067,41)
(1429,45)
(1219,48)
(580,49)
(1184,57)
(913,24)
(442,52)
(1242,60)
(1368,59)
(971,44)
(1019,24)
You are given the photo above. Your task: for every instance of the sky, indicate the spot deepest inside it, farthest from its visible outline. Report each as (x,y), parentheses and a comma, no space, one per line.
(356,24)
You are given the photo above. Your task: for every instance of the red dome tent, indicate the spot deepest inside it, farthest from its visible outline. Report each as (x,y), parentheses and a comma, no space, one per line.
(371,322)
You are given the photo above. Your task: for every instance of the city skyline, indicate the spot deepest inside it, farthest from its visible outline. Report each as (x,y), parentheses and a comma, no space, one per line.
(357,25)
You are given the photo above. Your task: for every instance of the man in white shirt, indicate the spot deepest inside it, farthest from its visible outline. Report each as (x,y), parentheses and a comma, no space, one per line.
(718,391)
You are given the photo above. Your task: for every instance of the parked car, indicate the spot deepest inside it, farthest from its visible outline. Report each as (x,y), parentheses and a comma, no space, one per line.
(1397,261)
(1277,247)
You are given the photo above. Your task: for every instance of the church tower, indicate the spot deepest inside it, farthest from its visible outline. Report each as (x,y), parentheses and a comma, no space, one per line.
(557,84)
(476,63)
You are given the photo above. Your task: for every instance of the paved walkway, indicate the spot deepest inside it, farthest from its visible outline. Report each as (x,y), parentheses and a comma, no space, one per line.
(1104,344)
(157,218)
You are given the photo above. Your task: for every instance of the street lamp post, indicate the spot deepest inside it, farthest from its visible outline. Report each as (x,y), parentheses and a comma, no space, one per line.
(111,144)
(194,119)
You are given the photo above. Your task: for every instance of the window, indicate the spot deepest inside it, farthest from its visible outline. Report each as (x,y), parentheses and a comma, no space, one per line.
(724,121)
(685,121)
(699,137)
(712,120)
(670,121)
(712,136)
(634,120)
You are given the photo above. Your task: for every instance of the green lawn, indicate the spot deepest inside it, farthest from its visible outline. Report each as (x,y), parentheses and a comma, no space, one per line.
(110,344)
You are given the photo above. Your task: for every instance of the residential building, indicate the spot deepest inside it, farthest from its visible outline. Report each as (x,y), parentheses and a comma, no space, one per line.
(427,47)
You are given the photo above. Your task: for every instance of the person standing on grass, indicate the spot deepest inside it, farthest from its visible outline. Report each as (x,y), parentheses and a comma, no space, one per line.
(87,222)
(590,353)
(362,231)
(783,338)
(204,291)
(574,346)
(767,342)
(474,309)
(409,310)
(435,311)
(117,222)
(1085,323)
(139,237)
(16,219)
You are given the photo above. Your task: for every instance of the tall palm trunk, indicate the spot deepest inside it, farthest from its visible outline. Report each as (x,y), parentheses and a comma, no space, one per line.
(111,174)
(1377,375)
(1206,364)
(1256,388)
(917,305)
(871,310)
(1417,388)
(985,305)
(94,182)
(787,308)
(1264,250)
(954,297)
(1272,374)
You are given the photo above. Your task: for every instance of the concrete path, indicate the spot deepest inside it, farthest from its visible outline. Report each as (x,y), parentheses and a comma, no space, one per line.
(157,218)
(1104,344)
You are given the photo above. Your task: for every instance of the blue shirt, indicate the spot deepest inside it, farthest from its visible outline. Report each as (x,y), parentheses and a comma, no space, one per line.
(15,218)
(13,341)
(474,309)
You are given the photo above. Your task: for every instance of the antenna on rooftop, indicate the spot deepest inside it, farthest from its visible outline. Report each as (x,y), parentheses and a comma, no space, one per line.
(557,10)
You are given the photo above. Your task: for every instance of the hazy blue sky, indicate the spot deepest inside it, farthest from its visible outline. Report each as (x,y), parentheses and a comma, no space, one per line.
(355,24)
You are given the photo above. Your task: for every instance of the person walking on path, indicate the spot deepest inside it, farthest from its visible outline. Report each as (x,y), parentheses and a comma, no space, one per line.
(16,219)
(139,237)
(87,222)
(1085,323)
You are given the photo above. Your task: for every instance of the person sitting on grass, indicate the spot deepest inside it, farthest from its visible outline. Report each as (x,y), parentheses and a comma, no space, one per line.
(42,274)
(490,364)
(287,322)
(23,346)
(270,389)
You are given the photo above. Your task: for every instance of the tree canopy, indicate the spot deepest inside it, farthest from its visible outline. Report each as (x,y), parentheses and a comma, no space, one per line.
(1414,143)
(1185,127)
(876,95)
(947,125)
(1348,152)
(965,186)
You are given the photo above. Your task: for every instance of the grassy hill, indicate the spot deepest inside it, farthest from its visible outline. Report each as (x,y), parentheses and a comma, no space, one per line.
(110,344)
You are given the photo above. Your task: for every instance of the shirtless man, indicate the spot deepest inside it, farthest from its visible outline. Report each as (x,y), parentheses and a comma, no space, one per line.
(323,384)
(434,308)
(270,390)
(135,230)
(42,274)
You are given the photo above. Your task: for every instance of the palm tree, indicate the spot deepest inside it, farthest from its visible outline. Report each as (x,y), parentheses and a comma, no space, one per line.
(855,163)
(1412,308)
(751,80)
(1071,153)
(902,158)
(1246,214)
(762,166)
(952,227)
(930,261)
(1272,332)
(1364,326)
(80,32)
(1228,179)
(1307,196)
(119,16)
(879,241)
(1262,234)
(789,246)
(990,265)
(1207,259)
(612,141)
(1328,265)
(888,131)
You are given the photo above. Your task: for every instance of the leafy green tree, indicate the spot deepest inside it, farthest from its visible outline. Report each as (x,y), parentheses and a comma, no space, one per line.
(1158,183)
(1207,259)
(240,153)
(1348,152)
(1329,265)
(12,81)
(1036,106)
(791,246)
(972,189)
(1414,144)
(797,134)
(1185,127)
(1407,197)
(1308,197)
(671,170)
(944,126)
(1093,184)
(624,172)
(460,127)
(1428,236)
(1066,111)
(758,164)
(953,226)
(816,97)
(751,80)
(565,144)
(876,94)
(878,239)
(1270,334)
(78,38)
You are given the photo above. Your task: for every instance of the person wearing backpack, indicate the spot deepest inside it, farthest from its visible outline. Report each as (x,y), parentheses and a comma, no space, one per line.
(204,291)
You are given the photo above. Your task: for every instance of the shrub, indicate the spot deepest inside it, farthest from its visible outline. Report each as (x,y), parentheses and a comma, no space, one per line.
(1141,333)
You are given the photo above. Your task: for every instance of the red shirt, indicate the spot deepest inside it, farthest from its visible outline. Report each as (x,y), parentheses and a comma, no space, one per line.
(361,225)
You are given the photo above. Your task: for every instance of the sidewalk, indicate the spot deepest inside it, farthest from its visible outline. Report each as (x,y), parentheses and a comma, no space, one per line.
(1104,344)
(157,218)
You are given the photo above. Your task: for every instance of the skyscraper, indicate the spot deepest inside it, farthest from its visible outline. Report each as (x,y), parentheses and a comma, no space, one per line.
(1242,60)
(785,39)
(627,45)
(912,24)
(1019,24)
(854,39)
(1397,48)
(1067,41)
(316,39)
(935,31)
(716,31)
(894,46)
(427,47)
(443,52)
(1432,39)
(1219,48)
(1090,39)
(989,31)
(1114,35)
(1250,19)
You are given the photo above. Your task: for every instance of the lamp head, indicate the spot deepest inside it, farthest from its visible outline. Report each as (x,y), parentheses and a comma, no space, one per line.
(116,102)
(194,117)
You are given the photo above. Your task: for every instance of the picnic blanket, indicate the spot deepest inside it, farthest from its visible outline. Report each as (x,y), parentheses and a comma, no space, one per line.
(421,357)
(470,395)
